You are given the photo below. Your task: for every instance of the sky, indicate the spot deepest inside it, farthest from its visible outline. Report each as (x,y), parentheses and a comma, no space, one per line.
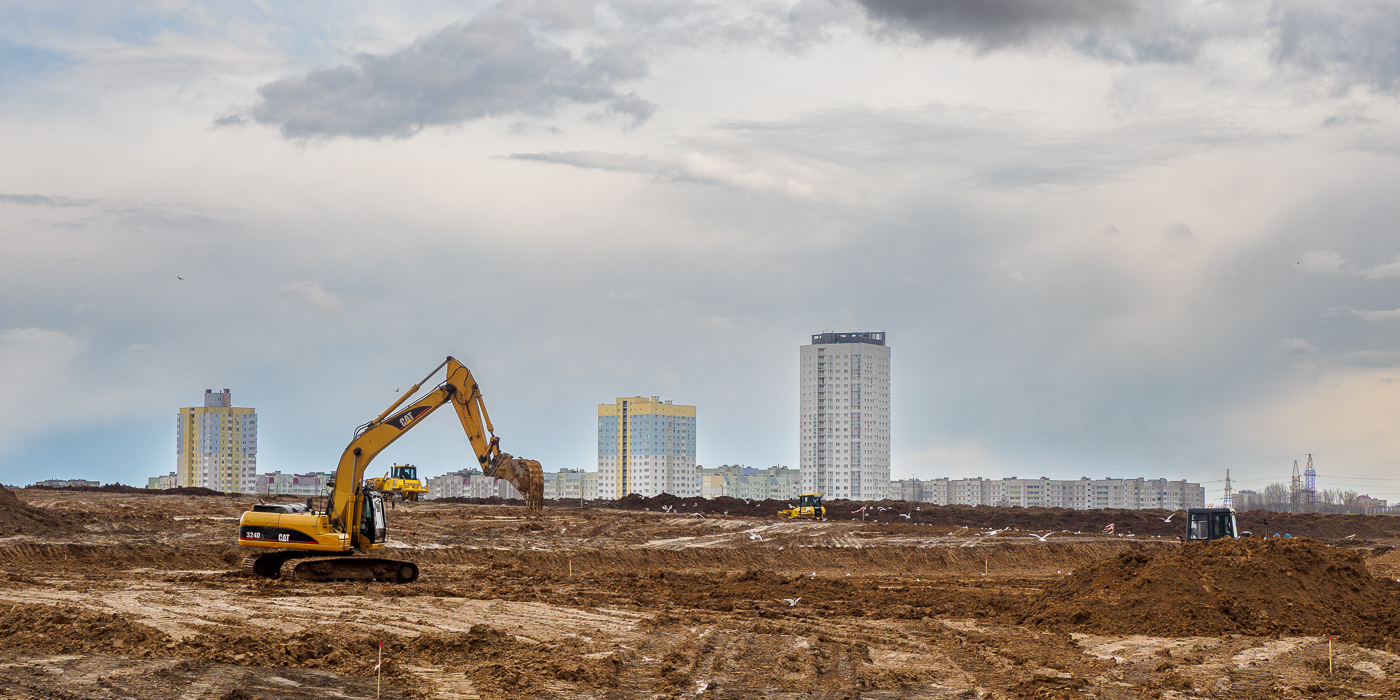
(1105,237)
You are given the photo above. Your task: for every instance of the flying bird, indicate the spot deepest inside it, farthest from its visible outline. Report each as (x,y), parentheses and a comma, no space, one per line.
(1042,538)
(179,277)
(755,536)
(792,601)
(1169,517)
(812,575)
(1349,536)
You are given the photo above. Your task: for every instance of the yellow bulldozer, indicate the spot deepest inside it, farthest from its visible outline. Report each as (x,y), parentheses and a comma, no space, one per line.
(809,505)
(400,482)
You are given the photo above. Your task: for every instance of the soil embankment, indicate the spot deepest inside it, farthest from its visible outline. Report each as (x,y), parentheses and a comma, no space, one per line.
(1252,586)
(18,517)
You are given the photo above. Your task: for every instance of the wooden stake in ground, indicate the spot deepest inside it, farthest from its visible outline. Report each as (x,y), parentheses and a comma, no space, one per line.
(376,669)
(1329,654)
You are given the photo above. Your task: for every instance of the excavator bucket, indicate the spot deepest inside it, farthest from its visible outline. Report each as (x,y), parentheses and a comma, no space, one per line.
(527,476)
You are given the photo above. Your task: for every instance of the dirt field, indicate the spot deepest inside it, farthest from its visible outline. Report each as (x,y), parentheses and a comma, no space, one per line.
(110,595)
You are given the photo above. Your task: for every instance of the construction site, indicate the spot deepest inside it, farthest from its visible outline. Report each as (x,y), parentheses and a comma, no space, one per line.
(129,593)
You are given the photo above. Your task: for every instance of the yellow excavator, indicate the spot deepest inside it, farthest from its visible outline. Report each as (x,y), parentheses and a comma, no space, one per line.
(400,482)
(353,519)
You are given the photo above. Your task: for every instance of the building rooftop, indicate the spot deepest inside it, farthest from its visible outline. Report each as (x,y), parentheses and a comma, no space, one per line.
(868,338)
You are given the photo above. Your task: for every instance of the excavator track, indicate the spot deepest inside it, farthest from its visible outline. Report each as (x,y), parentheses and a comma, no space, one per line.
(325,566)
(356,569)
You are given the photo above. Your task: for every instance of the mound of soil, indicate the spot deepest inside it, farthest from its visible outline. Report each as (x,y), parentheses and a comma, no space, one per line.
(71,629)
(123,488)
(1139,522)
(18,517)
(1251,586)
(1143,523)
(499,664)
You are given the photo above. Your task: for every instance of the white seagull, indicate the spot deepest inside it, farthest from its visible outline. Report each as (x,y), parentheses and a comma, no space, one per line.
(1042,538)
(755,536)
(1169,517)
(904,515)
(792,601)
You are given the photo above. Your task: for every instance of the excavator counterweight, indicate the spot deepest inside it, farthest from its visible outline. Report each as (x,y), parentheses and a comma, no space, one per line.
(353,519)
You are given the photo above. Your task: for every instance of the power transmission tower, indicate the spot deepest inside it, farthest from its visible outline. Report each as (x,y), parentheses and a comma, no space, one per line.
(1310,488)
(1229,493)
(1293,489)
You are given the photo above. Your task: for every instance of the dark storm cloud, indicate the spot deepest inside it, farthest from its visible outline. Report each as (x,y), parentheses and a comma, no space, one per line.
(996,23)
(493,65)
(1354,42)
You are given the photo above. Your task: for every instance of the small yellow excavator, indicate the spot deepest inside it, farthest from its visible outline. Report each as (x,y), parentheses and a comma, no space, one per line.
(353,519)
(400,482)
(809,505)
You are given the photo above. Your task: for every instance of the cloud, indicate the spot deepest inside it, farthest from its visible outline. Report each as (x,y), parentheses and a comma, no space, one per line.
(496,64)
(1371,358)
(1322,262)
(1353,43)
(1290,348)
(1366,314)
(1330,262)
(822,152)
(1179,232)
(39,200)
(1383,271)
(314,294)
(996,23)
(634,110)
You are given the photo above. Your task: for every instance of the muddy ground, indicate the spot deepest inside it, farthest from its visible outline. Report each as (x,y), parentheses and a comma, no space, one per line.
(110,595)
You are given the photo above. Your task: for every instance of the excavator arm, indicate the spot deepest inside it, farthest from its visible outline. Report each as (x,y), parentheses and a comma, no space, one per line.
(459,389)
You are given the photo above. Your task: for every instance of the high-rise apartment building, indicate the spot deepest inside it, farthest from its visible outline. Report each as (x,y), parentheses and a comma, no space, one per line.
(845,411)
(646,446)
(216,445)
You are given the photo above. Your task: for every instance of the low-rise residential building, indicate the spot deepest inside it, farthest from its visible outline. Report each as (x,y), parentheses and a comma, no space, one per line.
(66,483)
(469,483)
(735,481)
(1246,499)
(1078,494)
(169,481)
(1366,504)
(573,484)
(309,484)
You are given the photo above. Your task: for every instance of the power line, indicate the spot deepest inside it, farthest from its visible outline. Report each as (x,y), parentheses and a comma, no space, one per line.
(1228,461)
(1358,459)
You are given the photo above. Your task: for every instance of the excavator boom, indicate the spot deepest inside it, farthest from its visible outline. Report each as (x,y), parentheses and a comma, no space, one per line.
(354,516)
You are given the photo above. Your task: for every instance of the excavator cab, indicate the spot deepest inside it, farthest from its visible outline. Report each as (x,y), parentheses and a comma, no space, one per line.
(372,527)
(1206,524)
